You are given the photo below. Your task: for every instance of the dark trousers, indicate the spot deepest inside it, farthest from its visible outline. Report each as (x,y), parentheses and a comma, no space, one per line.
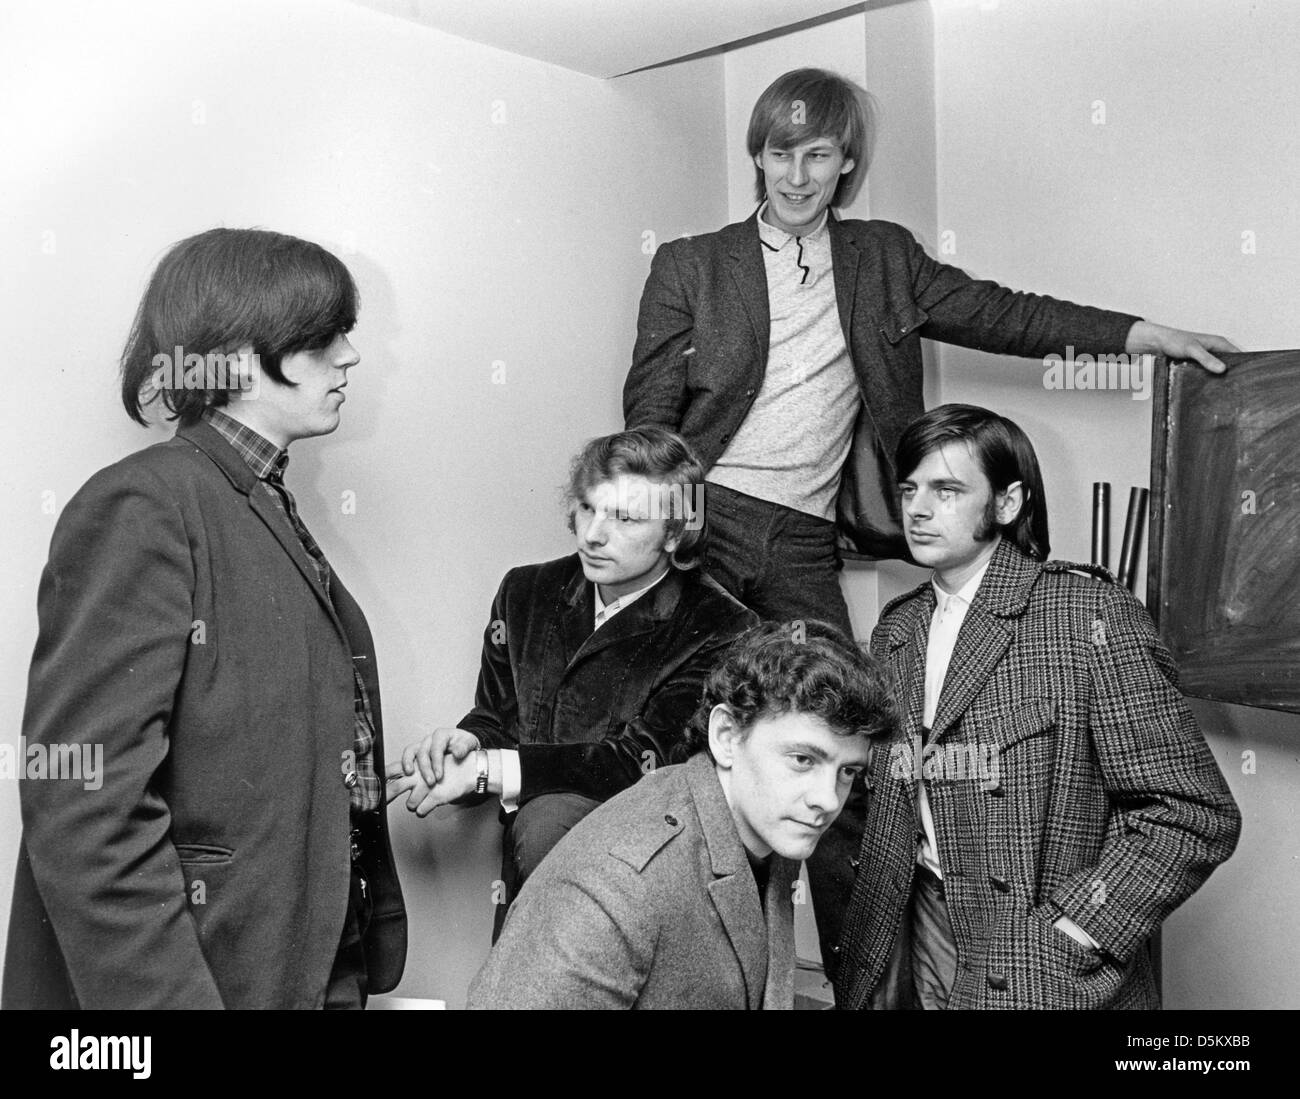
(538,826)
(349,981)
(922,965)
(933,948)
(781,563)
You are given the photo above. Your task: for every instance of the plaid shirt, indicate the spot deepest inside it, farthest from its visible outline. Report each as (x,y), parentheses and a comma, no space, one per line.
(269,462)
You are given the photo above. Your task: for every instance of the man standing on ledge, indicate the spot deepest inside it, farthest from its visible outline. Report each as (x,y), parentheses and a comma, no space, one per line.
(786,350)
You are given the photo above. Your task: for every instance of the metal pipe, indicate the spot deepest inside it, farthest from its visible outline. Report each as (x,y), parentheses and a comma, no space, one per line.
(1133,527)
(1101,523)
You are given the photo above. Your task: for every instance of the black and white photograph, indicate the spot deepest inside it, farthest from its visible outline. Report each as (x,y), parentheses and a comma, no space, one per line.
(608,504)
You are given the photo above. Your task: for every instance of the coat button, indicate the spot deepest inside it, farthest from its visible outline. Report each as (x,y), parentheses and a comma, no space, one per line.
(995,791)
(1000,884)
(350,779)
(725,439)
(835,949)
(855,863)
(670,820)
(749,392)
(998,981)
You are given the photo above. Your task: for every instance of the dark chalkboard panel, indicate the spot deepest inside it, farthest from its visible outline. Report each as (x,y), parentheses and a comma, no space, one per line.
(1223,579)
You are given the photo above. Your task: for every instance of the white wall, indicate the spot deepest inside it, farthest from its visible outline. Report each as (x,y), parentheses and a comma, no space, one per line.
(492,209)
(1143,212)
(130,125)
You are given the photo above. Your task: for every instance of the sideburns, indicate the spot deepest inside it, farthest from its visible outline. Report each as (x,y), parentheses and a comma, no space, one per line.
(988,525)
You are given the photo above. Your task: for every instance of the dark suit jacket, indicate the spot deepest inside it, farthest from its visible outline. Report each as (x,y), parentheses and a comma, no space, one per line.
(649,902)
(1066,777)
(702,345)
(182,627)
(591,712)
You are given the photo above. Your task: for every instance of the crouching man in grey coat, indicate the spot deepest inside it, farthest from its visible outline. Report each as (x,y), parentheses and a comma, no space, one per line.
(677,893)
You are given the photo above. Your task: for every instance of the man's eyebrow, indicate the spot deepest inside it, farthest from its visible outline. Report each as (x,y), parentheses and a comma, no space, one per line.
(937,482)
(814,750)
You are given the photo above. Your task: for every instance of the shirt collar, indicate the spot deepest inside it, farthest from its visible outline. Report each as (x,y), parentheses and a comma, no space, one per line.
(963,596)
(267,461)
(778,238)
(623,601)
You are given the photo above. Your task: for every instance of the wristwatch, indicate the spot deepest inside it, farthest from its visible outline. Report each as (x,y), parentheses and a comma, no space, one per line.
(481,783)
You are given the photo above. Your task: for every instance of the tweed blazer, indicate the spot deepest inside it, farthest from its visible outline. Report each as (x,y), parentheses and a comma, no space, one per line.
(1066,776)
(649,902)
(589,710)
(704,326)
(183,630)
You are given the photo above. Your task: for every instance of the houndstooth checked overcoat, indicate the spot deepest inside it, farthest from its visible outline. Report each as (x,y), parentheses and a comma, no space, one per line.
(1066,776)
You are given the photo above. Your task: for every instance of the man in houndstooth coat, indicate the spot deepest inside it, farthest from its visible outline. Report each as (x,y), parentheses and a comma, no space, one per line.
(1048,799)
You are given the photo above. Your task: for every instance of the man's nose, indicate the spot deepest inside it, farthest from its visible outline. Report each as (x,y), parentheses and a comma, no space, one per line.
(798,171)
(346,355)
(918,505)
(598,529)
(823,793)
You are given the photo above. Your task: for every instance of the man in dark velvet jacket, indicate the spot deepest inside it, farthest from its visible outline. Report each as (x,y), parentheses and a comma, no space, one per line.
(592,664)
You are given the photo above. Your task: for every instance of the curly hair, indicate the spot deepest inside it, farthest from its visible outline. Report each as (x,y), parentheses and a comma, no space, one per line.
(806,667)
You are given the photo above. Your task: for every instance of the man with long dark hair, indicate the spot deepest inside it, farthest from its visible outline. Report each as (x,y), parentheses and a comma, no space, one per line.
(236,852)
(1048,799)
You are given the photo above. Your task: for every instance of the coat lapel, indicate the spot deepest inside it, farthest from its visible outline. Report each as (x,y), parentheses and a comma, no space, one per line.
(278,525)
(656,606)
(749,275)
(779,993)
(209,440)
(733,891)
(907,641)
(845,262)
(981,644)
(577,615)
(986,633)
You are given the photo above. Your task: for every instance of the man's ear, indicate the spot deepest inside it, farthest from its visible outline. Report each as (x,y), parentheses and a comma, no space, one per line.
(1010,502)
(848,166)
(724,734)
(249,367)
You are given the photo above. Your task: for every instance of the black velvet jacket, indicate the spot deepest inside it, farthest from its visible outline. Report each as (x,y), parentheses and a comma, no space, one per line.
(591,712)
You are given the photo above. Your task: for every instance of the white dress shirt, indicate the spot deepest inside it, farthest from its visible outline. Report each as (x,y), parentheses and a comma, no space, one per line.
(949,613)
